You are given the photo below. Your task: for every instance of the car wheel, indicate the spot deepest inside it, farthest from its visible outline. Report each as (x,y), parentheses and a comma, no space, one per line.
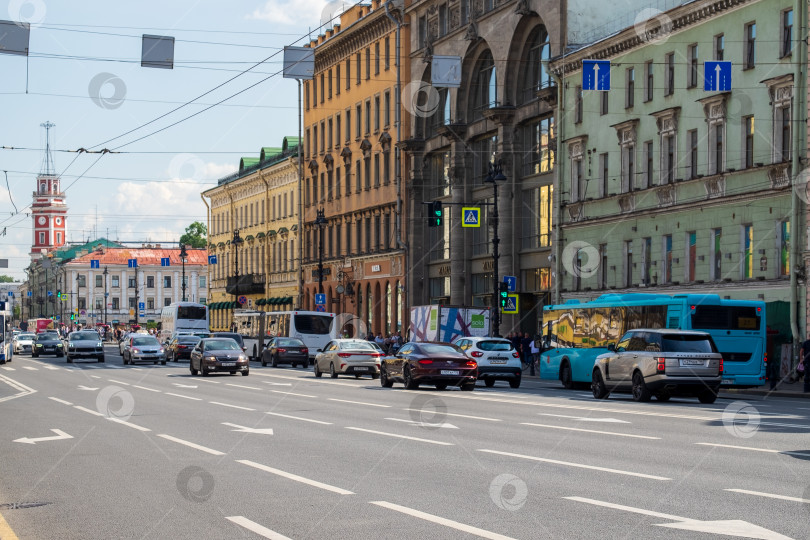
(174,357)
(317,370)
(155,362)
(375,376)
(264,362)
(163,363)
(305,365)
(598,386)
(640,391)
(385,382)
(662,396)
(332,372)
(191,368)
(489,382)
(233,373)
(203,370)
(100,358)
(69,360)
(441,386)
(246,373)
(514,383)
(469,387)
(410,384)
(275,361)
(34,355)
(707,396)
(565,375)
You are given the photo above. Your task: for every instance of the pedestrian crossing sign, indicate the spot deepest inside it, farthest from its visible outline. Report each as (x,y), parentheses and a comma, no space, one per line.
(472,217)
(511,305)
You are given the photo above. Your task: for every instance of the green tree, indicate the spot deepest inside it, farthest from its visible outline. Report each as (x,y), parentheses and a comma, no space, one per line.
(195,235)
(6,279)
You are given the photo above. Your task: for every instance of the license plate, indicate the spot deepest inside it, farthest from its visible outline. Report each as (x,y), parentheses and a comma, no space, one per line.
(727,381)
(498,362)
(450,372)
(361,369)
(691,362)
(228,364)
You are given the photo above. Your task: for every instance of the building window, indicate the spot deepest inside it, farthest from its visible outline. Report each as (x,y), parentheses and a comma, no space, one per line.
(668,159)
(787,32)
(628,160)
(603,103)
(368,117)
(133,303)
(601,278)
(717,255)
(422,29)
(376,170)
(630,85)
(648,165)
(314,92)
(387,62)
(150,282)
(337,79)
(439,288)
(536,63)
(358,178)
(167,281)
(358,59)
(719,47)
(646,260)
(358,121)
(329,143)
(376,114)
(693,66)
(323,88)
(578,105)
(329,79)
(649,80)
(747,266)
(784,248)
(667,259)
(42,238)
(577,181)
(131,285)
(150,303)
(486,89)
(323,137)
(337,129)
(386,168)
(692,137)
(348,73)
(628,263)
(99,282)
(337,182)
(442,20)
(58,238)
(603,175)
(167,301)
(748,142)
(750,52)
(387,108)
(116,302)
(782,141)
(691,255)
(115,281)
(536,217)
(670,66)
(368,63)
(538,156)
(348,125)
(377,58)
(201,281)
(82,281)
(717,148)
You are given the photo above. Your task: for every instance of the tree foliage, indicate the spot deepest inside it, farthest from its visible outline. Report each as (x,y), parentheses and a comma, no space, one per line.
(6,279)
(195,236)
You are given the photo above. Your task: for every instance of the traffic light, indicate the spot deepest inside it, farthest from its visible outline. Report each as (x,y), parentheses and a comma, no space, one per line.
(503,293)
(72,316)
(59,294)
(435,214)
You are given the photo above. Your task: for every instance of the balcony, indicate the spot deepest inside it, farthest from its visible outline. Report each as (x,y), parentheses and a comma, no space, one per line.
(246,284)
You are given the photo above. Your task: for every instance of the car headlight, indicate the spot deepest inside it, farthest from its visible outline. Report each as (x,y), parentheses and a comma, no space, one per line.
(242,357)
(99,344)
(59,345)
(39,344)
(136,351)
(161,350)
(210,358)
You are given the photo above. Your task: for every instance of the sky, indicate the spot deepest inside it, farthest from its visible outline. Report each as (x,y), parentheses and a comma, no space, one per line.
(84,76)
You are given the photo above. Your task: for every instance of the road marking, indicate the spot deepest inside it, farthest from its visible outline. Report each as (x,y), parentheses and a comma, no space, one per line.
(242,386)
(22,390)
(441,521)
(730,527)
(93,367)
(201,380)
(292,393)
(90,388)
(299,418)
(361,403)
(232,406)
(60,400)
(578,465)
(442,443)
(145,388)
(119,382)
(7,368)
(113,366)
(136,369)
(30,368)
(182,396)
(277,383)
(91,411)
(184,385)
(129,424)
(424,424)
(458,415)
(52,368)
(255,527)
(587,419)
(60,435)
(768,450)
(244,429)
(191,445)
(94,376)
(5,530)
(294,477)
(770,495)
(591,431)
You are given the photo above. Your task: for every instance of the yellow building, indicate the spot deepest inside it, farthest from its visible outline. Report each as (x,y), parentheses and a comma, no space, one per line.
(350,176)
(253,230)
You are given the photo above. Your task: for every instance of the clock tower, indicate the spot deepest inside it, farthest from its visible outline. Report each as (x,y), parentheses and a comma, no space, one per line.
(48,209)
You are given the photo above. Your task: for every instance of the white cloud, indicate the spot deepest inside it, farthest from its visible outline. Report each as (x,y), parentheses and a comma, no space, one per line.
(289,12)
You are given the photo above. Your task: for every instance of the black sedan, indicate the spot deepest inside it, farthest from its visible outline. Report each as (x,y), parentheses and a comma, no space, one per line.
(48,343)
(437,364)
(284,350)
(180,347)
(218,354)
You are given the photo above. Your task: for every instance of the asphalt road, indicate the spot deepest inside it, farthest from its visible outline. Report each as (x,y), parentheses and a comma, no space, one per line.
(151,452)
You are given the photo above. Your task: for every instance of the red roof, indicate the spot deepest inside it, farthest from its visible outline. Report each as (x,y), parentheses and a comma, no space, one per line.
(145,256)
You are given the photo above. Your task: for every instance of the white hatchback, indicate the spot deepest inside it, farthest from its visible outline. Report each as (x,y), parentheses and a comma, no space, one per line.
(349,357)
(497,359)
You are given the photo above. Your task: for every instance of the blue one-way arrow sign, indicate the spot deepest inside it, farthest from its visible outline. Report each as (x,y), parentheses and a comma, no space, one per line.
(596,75)
(94,263)
(212,259)
(132,263)
(716,76)
(320,299)
(165,261)
(511,282)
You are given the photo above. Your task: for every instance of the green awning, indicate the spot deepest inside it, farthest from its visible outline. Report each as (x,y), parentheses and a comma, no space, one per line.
(260,235)
(283,230)
(221,244)
(271,232)
(294,228)
(247,162)
(249,237)
(288,300)
(260,302)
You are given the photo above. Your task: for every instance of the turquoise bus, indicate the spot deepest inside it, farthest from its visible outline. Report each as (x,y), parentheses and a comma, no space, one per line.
(575,333)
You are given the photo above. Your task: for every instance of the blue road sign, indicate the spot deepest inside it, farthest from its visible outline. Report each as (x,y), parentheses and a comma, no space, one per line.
(30,293)
(596,75)
(165,261)
(57,317)
(511,304)
(512,282)
(320,307)
(471,217)
(141,305)
(132,263)
(50,293)
(212,259)
(94,263)
(320,299)
(10,294)
(716,76)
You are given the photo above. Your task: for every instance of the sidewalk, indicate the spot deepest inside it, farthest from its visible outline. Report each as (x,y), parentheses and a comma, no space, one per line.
(784,388)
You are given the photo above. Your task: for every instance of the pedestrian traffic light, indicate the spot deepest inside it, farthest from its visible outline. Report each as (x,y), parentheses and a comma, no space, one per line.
(435,214)
(59,294)
(503,293)
(72,316)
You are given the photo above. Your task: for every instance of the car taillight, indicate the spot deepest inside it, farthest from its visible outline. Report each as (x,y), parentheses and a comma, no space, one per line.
(660,365)
(305,351)
(425,362)
(472,364)
(515,354)
(477,354)
(376,354)
(281,350)
(765,358)
(182,347)
(721,365)
(344,354)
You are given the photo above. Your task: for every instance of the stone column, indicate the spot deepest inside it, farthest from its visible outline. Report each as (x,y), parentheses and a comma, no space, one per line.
(414,227)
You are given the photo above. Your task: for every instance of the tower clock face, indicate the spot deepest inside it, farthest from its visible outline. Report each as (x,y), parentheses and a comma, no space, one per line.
(58,221)
(41,220)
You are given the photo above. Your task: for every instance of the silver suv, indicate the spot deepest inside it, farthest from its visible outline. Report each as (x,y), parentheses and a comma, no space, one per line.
(662,363)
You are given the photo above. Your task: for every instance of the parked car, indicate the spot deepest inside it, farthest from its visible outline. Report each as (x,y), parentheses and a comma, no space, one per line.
(438,364)
(84,344)
(48,343)
(496,357)
(218,354)
(24,343)
(660,363)
(349,357)
(144,349)
(180,347)
(285,350)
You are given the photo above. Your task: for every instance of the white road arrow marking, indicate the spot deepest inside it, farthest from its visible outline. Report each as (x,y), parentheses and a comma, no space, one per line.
(82,387)
(59,436)
(184,385)
(243,429)
(424,424)
(587,419)
(730,527)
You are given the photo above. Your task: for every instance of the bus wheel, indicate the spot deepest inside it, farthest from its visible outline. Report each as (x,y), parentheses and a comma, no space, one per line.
(565,375)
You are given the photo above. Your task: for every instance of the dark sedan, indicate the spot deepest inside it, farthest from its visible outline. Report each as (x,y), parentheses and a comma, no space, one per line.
(284,350)
(437,364)
(218,354)
(48,343)
(180,347)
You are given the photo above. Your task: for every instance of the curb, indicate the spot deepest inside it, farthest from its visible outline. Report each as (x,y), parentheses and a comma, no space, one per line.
(769,393)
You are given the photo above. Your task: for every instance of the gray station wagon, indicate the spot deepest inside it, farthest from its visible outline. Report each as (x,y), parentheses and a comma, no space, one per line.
(660,363)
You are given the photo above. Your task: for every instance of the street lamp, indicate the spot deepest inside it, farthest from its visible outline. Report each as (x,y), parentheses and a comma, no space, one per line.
(183,255)
(105,273)
(237,241)
(495,175)
(320,222)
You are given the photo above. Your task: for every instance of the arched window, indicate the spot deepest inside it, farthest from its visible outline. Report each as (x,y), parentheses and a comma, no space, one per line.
(486,87)
(535,61)
(387,322)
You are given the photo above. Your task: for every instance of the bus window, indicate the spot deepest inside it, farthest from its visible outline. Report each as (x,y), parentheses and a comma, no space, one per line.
(312,324)
(726,318)
(196,313)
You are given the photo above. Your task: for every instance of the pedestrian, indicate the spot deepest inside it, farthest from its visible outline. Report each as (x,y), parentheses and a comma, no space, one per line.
(535,352)
(526,348)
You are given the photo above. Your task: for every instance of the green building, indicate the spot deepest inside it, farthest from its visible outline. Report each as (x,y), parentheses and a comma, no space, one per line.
(666,187)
